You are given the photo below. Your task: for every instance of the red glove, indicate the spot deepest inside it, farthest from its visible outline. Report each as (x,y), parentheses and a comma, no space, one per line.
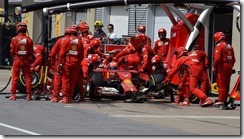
(85,76)
(141,70)
(32,67)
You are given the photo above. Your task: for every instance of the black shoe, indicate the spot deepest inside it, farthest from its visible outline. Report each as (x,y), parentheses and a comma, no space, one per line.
(229,106)
(37,97)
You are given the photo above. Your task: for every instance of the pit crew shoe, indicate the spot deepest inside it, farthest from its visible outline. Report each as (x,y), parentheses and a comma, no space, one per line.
(64,100)
(186,102)
(29,98)
(229,106)
(177,100)
(206,103)
(218,104)
(82,99)
(12,97)
(54,99)
(70,101)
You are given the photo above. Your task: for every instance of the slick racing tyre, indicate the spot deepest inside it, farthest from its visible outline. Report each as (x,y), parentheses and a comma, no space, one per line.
(21,82)
(193,99)
(97,80)
(156,78)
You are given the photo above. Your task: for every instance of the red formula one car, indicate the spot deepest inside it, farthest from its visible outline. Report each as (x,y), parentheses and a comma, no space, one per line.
(111,81)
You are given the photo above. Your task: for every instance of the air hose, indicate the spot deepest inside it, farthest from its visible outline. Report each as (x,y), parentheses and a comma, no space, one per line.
(8,80)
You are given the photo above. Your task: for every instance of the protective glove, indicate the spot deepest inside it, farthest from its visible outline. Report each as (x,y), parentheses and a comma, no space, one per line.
(141,70)
(32,67)
(85,76)
(60,68)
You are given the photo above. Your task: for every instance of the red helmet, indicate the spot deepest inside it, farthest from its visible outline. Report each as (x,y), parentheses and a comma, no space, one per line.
(95,42)
(162,30)
(67,30)
(84,28)
(156,59)
(180,51)
(141,28)
(95,58)
(73,29)
(218,36)
(21,26)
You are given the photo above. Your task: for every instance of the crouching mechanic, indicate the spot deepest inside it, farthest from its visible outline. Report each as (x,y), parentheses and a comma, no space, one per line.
(196,71)
(21,49)
(88,65)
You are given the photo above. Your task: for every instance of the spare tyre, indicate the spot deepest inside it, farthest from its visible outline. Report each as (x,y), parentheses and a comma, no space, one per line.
(34,82)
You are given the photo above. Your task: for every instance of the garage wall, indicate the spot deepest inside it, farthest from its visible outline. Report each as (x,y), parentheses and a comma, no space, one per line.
(119,18)
(161,21)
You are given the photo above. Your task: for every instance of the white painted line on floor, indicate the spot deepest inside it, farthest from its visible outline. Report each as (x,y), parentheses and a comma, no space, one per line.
(176,116)
(19,129)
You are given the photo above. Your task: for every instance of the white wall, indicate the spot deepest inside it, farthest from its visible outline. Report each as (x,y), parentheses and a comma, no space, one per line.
(119,18)
(80,16)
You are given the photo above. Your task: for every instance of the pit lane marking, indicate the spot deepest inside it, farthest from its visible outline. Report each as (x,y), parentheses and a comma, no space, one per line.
(19,129)
(176,116)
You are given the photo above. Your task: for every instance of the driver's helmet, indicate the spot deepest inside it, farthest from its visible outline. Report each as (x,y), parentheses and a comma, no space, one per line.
(113,65)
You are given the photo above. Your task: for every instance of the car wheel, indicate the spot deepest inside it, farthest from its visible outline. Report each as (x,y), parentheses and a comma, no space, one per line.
(157,78)
(97,80)
(194,99)
(34,82)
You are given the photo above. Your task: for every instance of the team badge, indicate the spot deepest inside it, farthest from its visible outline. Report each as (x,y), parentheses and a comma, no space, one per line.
(22,47)
(74,47)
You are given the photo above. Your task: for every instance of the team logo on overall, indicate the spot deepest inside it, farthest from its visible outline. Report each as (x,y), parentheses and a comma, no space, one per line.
(229,52)
(22,47)
(160,43)
(73,47)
